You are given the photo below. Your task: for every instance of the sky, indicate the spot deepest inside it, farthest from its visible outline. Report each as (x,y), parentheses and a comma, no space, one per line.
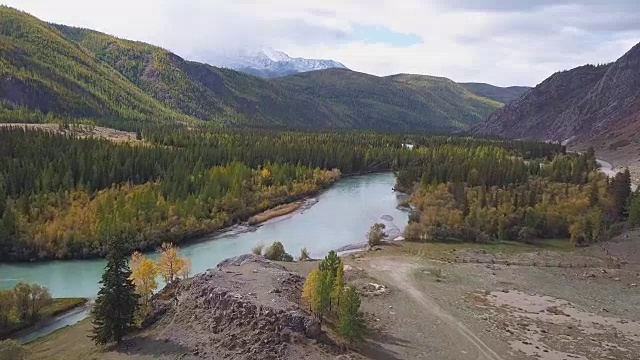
(519,42)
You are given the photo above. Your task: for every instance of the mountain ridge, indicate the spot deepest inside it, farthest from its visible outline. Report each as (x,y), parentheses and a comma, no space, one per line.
(142,83)
(595,105)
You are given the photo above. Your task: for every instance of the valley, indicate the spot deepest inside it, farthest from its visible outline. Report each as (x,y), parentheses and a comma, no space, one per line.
(271,207)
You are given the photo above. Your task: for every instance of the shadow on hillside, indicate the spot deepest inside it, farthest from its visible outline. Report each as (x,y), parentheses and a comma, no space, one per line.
(144,345)
(377,346)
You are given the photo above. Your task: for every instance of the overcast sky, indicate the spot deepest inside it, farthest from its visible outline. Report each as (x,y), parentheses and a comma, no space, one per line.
(501,42)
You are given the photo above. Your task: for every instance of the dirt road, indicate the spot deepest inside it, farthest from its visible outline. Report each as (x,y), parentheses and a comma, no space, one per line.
(399,272)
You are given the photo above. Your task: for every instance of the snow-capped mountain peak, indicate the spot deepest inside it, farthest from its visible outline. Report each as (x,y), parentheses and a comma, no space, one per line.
(275,55)
(267,62)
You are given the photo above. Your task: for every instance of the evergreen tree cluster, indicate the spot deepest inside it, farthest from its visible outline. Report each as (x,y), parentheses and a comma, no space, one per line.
(327,294)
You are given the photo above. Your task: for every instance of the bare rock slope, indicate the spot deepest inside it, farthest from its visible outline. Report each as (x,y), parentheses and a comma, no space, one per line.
(246,308)
(595,105)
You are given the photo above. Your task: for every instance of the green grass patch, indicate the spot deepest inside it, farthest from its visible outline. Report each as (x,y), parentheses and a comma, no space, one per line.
(439,250)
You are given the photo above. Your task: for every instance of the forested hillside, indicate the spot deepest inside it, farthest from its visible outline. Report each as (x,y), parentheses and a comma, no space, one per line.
(43,71)
(55,72)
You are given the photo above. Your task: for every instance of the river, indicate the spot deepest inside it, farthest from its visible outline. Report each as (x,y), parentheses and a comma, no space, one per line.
(341,216)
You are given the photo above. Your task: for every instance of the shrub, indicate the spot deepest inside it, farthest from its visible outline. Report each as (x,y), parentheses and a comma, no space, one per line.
(304,254)
(257,250)
(414,231)
(437,272)
(376,234)
(526,235)
(276,252)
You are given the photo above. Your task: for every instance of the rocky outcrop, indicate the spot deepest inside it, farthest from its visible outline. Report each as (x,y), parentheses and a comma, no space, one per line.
(246,308)
(588,104)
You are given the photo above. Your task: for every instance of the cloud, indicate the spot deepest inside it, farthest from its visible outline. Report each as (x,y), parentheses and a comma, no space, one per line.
(495,41)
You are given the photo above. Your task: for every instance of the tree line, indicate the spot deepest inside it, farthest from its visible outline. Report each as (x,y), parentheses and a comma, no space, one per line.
(61,196)
(564,198)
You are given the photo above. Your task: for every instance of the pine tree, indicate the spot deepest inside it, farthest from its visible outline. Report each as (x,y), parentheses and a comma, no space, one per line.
(330,263)
(621,190)
(634,211)
(113,313)
(351,324)
(338,286)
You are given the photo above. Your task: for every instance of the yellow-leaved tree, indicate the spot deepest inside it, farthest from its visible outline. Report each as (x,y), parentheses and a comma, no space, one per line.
(170,265)
(143,275)
(310,284)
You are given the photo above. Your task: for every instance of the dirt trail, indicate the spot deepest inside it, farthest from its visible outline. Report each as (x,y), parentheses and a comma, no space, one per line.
(399,272)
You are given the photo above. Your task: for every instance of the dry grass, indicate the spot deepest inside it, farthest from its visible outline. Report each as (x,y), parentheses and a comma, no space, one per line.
(448,250)
(61,305)
(275,212)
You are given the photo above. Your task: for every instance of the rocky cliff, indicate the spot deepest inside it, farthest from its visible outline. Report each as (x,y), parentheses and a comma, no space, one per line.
(595,105)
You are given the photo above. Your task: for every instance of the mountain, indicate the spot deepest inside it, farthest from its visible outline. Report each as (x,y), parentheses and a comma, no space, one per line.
(270,63)
(504,95)
(75,73)
(40,69)
(588,105)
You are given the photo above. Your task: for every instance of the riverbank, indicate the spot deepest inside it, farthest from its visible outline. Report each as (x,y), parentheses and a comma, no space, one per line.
(338,216)
(207,227)
(57,307)
(280,210)
(490,301)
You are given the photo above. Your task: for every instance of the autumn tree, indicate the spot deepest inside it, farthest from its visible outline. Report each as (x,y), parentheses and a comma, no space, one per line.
(143,275)
(7,304)
(309,288)
(351,325)
(116,303)
(29,300)
(170,265)
(22,294)
(38,299)
(185,268)
(376,234)
(322,294)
